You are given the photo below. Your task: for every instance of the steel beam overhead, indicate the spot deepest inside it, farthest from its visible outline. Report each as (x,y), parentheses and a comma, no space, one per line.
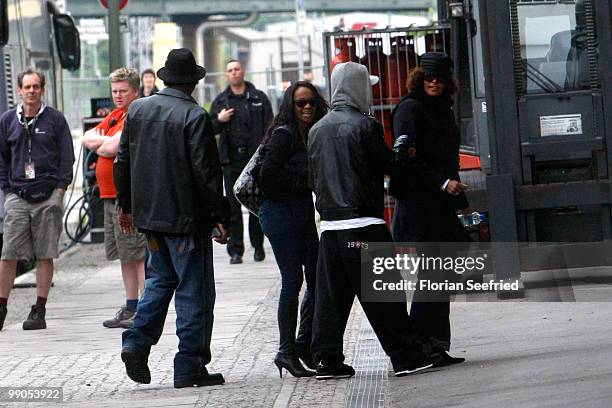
(88,8)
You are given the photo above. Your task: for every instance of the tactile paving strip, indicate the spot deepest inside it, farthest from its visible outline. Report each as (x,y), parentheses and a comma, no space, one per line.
(367,387)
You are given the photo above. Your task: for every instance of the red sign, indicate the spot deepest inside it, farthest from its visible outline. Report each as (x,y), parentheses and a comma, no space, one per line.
(122,3)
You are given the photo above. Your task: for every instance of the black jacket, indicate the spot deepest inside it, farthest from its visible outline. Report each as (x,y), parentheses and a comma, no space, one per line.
(257,112)
(167,171)
(284,169)
(431,122)
(348,158)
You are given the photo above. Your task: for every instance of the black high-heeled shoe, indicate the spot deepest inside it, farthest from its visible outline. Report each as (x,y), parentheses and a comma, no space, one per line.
(292,364)
(306,357)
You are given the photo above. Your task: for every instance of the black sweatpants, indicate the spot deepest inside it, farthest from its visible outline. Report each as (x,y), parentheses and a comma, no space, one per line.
(338,282)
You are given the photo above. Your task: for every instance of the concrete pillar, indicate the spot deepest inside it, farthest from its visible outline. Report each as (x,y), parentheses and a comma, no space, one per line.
(166,37)
(216,56)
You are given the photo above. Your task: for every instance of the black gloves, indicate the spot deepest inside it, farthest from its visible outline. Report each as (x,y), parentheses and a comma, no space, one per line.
(405,145)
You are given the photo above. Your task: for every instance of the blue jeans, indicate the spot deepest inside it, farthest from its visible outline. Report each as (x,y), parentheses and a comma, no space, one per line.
(290,228)
(183,267)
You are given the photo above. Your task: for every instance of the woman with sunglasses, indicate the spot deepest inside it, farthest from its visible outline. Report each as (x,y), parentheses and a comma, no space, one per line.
(287,219)
(428,190)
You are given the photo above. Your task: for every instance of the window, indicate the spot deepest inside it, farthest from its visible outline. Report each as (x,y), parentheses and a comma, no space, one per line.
(555,39)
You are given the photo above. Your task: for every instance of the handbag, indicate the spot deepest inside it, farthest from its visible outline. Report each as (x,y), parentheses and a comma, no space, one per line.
(246,189)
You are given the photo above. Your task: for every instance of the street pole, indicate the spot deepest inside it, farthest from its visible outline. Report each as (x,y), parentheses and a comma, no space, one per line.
(299,21)
(114,40)
(442,13)
(3,96)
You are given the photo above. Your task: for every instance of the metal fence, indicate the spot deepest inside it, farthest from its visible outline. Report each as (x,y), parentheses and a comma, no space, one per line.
(388,53)
(78,92)
(272,81)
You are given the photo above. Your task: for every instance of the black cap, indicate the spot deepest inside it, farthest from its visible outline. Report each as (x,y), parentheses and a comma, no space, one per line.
(181,68)
(436,63)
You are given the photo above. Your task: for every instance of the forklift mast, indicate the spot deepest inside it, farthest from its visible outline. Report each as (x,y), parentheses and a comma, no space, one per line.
(533,108)
(541,96)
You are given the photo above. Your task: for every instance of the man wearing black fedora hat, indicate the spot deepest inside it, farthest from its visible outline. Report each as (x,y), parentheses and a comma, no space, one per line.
(170,186)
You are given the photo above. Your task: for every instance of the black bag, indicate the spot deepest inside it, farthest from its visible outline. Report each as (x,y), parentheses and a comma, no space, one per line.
(36,193)
(246,189)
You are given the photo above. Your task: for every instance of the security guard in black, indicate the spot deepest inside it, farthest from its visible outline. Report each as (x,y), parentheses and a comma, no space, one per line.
(240,114)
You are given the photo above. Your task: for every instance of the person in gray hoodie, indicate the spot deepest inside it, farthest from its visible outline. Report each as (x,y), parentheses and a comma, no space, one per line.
(348,158)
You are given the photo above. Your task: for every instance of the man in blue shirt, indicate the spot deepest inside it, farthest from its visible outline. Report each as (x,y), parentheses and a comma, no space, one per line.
(36,158)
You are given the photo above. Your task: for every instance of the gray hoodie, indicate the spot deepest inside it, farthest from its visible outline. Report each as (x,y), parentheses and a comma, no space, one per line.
(350,84)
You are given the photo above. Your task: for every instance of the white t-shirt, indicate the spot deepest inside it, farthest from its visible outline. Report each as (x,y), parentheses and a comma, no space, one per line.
(350,223)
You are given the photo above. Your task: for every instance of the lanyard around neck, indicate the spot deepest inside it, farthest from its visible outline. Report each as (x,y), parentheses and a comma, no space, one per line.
(29,126)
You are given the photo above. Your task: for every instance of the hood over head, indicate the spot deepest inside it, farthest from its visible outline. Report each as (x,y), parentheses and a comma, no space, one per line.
(351,86)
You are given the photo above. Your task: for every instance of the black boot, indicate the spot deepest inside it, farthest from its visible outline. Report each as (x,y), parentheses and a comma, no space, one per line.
(304,337)
(305,355)
(287,323)
(3,312)
(36,318)
(292,364)
(136,365)
(287,356)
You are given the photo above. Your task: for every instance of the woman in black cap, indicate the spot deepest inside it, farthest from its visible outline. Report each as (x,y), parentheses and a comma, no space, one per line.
(428,190)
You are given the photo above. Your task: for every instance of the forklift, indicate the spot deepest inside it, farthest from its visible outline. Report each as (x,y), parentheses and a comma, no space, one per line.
(539,82)
(535,114)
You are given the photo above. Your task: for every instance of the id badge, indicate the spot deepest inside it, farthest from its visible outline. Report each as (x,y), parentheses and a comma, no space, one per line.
(30,174)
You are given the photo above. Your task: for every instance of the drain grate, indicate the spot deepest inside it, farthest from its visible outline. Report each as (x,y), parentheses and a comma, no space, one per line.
(367,387)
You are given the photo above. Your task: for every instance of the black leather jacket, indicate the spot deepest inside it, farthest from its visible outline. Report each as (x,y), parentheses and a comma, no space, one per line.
(256,111)
(167,171)
(348,158)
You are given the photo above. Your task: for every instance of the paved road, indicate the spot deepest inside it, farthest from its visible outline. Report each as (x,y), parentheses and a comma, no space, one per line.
(80,355)
(519,353)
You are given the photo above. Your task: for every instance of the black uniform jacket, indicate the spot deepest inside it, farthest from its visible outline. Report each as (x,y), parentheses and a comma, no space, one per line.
(254,109)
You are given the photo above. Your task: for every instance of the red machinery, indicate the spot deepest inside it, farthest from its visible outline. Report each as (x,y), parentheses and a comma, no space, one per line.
(390,54)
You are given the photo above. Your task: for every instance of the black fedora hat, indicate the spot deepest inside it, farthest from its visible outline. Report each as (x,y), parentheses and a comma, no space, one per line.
(181,68)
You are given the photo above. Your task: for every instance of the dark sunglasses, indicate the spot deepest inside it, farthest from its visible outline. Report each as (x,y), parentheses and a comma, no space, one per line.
(301,103)
(437,78)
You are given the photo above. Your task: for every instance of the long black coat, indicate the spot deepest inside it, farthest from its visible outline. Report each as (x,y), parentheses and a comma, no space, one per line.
(426,212)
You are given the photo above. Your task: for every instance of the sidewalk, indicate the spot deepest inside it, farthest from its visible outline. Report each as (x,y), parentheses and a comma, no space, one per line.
(518,353)
(80,355)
